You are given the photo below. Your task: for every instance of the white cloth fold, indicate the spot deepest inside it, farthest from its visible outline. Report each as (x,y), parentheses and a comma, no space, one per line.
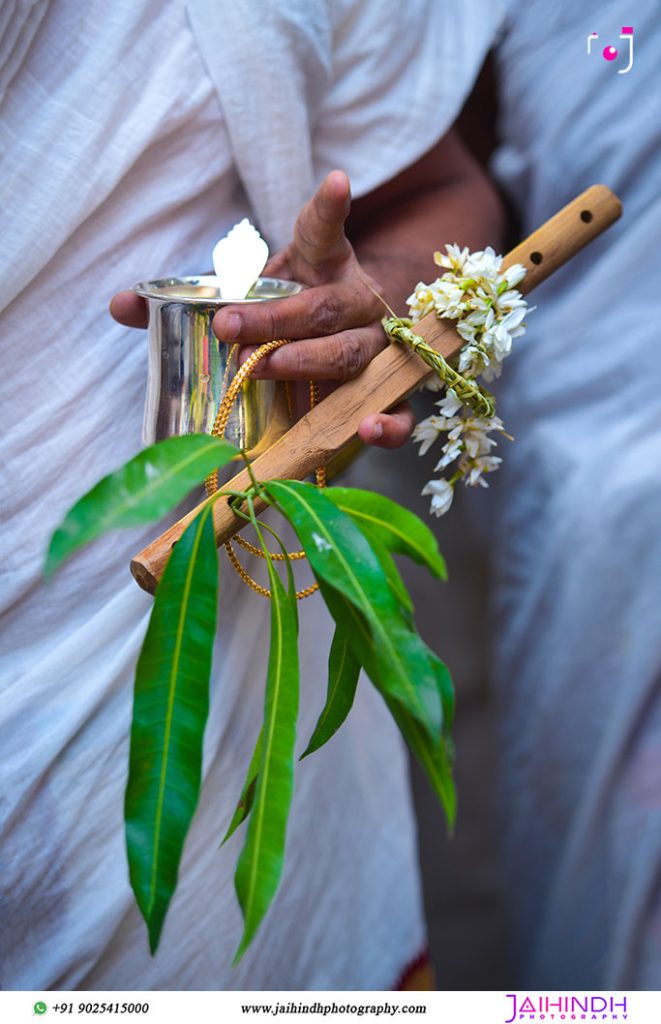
(125,155)
(571,519)
(366,87)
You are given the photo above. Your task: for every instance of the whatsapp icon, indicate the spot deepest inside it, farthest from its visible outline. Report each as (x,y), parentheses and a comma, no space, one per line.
(39,1008)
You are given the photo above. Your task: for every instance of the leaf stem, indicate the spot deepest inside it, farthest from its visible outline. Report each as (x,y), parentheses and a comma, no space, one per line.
(255,482)
(258,529)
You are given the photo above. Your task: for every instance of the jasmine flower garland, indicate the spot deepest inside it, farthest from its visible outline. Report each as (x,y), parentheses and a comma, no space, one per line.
(490,313)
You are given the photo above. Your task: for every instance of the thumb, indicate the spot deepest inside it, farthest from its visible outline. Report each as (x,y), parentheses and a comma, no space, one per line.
(319,232)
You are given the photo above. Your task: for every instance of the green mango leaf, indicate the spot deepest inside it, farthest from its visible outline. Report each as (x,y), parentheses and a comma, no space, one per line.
(390,570)
(141,491)
(396,527)
(343,672)
(259,867)
(433,757)
(445,690)
(341,556)
(170,708)
(441,671)
(345,498)
(431,752)
(244,806)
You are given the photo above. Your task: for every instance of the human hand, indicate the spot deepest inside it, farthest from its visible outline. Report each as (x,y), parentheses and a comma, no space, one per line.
(334,324)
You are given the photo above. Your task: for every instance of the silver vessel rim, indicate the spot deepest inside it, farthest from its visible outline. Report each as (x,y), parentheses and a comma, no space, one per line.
(204,289)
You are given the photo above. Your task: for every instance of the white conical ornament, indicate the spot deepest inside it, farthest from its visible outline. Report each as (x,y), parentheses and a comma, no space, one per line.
(238,260)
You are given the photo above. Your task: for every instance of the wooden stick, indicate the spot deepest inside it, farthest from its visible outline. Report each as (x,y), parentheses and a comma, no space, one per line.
(392,376)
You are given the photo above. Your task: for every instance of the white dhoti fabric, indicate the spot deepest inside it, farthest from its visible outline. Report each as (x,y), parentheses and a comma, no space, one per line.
(132,136)
(576,545)
(572,518)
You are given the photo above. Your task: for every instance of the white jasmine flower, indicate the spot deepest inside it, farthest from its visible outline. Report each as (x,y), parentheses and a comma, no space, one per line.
(434,383)
(451,404)
(476,443)
(451,451)
(515,274)
(421,301)
(466,331)
(511,300)
(477,319)
(490,423)
(499,340)
(456,427)
(489,313)
(426,432)
(476,430)
(472,361)
(466,359)
(442,494)
(491,372)
(485,263)
(448,299)
(485,464)
(455,259)
(512,322)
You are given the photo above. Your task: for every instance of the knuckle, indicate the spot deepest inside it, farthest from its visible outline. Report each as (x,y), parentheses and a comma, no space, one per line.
(298,362)
(348,356)
(327,315)
(290,362)
(306,236)
(271,323)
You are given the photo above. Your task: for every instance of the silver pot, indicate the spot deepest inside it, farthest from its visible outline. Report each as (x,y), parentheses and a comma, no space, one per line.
(190,369)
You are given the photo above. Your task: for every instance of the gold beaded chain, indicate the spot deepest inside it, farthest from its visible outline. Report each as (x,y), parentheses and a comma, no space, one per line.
(211,483)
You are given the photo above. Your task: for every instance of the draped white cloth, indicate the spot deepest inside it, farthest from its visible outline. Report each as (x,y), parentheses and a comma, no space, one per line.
(132,135)
(572,518)
(577,546)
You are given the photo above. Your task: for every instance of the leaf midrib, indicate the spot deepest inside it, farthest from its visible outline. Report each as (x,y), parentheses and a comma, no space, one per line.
(413,724)
(170,708)
(357,514)
(129,503)
(257,814)
(335,686)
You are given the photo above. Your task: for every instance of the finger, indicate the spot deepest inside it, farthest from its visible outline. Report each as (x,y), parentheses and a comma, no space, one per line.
(278,265)
(388,430)
(129,309)
(314,313)
(339,357)
(319,236)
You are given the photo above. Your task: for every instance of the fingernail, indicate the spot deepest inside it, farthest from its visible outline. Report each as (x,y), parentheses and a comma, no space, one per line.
(377,431)
(230,326)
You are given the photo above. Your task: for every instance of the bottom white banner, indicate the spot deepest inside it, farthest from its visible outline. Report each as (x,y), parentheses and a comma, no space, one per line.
(313,1007)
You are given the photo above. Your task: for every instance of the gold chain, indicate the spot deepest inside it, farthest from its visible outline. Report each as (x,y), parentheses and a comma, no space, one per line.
(257,587)
(211,483)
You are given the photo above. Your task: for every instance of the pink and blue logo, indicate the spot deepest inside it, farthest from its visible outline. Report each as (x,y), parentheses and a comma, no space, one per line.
(611,53)
(587,1006)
